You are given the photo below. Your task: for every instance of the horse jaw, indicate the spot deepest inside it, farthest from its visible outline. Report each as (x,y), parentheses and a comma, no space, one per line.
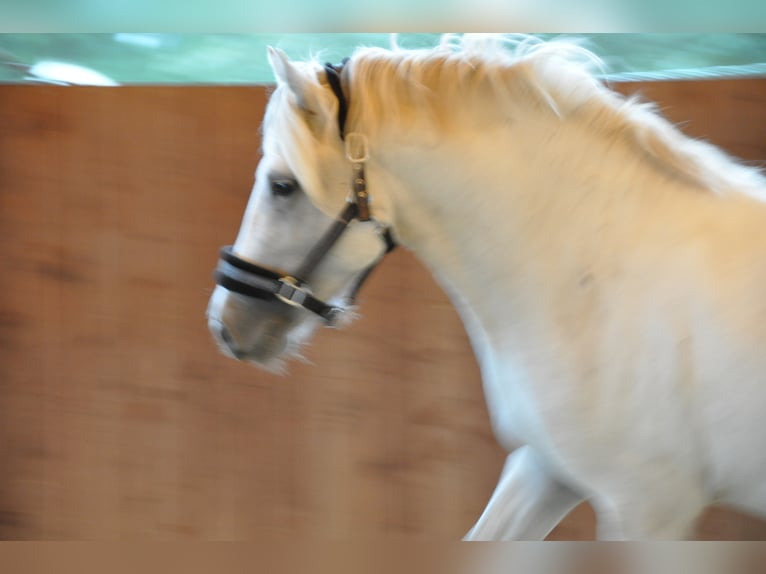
(299,337)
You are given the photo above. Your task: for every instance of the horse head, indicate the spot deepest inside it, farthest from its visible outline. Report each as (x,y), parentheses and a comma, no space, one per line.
(310,234)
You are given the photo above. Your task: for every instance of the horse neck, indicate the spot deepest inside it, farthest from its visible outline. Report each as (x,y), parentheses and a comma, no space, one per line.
(501,215)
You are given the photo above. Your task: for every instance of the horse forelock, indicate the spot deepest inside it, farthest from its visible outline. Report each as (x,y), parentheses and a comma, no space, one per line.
(288,140)
(286,136)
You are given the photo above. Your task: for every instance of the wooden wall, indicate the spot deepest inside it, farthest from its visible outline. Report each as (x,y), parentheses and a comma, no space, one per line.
(118,417)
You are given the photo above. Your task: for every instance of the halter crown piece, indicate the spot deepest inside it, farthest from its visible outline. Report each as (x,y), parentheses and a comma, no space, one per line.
(251,280)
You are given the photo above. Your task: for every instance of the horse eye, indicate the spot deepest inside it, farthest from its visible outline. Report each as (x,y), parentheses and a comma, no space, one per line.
(283,187)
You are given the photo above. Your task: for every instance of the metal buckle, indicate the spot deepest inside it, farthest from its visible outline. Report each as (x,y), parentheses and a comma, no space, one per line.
(290,293)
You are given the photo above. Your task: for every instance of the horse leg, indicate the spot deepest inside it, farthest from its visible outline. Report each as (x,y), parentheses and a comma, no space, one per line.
(527,502)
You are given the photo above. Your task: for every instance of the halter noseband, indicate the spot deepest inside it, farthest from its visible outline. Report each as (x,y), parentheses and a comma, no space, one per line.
(251,280)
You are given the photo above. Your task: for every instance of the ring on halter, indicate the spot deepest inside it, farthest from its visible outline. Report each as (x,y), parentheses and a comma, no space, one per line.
(357,150)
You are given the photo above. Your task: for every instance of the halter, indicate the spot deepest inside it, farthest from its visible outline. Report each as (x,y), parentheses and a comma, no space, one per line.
(252,280)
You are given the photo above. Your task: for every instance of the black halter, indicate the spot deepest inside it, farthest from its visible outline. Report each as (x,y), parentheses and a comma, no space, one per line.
(251,280)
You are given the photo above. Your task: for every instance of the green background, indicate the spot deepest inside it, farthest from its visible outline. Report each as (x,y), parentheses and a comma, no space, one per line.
(141,58)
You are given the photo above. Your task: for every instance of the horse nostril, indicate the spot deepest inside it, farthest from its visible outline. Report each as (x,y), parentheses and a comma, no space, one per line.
(223,335)
(226,336)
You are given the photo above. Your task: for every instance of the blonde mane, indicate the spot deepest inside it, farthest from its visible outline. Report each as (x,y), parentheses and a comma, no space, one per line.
(506,75)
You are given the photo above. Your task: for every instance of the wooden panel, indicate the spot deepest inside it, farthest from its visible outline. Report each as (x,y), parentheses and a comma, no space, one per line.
(119,419)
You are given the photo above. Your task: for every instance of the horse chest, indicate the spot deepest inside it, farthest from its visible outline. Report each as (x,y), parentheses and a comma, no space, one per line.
(515,403)
(580,426)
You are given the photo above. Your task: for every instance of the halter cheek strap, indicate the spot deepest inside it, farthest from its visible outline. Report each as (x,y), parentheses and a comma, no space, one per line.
(356,144)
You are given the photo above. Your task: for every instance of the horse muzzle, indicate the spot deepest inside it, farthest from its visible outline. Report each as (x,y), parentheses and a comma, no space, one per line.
(247,329)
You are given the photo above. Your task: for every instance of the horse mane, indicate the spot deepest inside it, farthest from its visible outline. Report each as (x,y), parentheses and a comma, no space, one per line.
(556,77)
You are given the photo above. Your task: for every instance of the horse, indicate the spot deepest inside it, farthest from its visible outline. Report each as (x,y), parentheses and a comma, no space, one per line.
(609,270)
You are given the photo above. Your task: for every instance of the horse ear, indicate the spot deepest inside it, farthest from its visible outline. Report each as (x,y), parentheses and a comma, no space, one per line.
(299,84)
(279,63)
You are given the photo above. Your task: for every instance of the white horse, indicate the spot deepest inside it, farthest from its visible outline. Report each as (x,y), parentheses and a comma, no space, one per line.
(610,271)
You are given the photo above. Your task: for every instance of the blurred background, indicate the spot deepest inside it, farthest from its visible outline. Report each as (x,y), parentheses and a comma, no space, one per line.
(118,417)
(135,58)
